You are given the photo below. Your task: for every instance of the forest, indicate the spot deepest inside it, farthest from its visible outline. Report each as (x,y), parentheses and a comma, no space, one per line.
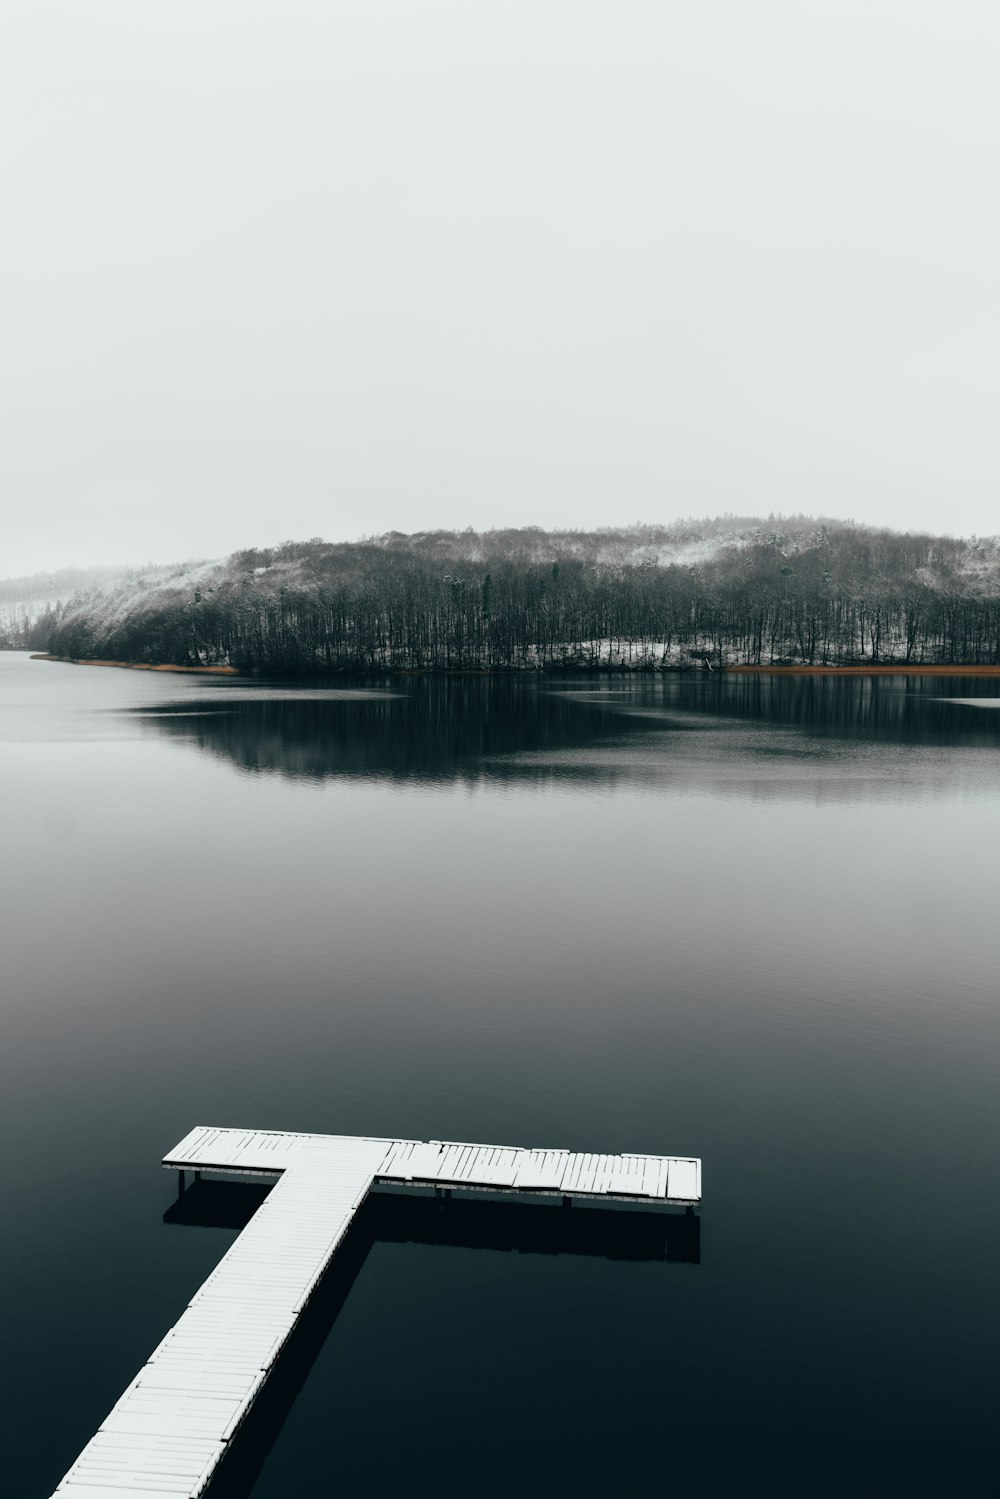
(731,591)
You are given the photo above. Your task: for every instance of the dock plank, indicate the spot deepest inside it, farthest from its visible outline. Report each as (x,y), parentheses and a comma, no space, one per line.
(684,1180)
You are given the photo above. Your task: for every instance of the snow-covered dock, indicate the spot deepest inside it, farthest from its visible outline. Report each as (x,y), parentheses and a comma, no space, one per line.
(172,1426)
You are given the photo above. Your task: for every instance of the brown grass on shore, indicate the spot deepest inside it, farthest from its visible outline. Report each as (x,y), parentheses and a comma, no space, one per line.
(879,670)
(213,671)
(900,669)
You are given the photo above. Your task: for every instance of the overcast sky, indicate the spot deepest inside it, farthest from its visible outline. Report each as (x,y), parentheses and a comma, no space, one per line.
(275,270)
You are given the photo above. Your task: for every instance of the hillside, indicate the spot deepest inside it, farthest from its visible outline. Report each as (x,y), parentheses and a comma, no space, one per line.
(733,590)
(29,604)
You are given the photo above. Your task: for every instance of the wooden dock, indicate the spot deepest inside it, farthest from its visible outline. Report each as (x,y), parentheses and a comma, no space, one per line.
(173,1424)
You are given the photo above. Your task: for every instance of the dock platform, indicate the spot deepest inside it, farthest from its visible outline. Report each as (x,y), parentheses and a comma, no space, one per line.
(172,1426)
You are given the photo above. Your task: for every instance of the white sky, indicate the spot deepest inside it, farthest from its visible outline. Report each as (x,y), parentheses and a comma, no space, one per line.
(276,270)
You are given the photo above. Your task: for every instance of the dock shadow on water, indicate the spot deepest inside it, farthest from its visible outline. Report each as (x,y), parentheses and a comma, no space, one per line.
(411,1218)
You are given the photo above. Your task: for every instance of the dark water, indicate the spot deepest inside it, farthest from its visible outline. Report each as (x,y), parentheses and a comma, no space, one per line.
(749,919)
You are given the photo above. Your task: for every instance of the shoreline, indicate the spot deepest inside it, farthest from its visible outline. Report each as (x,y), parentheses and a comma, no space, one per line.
(878,669)
(204,671)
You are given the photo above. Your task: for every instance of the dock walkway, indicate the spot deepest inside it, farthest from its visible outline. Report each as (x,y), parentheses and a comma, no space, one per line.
(172,1426)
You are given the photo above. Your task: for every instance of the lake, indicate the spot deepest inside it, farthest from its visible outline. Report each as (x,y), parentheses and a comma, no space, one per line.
(748,918)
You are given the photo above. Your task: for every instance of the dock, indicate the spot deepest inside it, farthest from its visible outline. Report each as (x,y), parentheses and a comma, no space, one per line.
(173,1424)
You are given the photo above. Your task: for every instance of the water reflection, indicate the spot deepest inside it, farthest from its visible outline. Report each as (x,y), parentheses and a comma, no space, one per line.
(437,730)
(756,736)
(902,709)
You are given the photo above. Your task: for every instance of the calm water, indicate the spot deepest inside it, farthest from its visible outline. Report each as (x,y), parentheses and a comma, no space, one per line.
(750,920)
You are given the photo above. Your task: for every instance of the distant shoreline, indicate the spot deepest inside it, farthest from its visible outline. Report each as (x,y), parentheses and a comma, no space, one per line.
(878,670)
(209,671)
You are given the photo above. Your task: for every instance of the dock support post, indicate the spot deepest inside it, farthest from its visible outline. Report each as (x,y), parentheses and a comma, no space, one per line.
(180,1184)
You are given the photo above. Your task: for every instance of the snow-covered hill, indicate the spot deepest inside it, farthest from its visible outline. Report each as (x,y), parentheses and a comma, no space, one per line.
(730,590)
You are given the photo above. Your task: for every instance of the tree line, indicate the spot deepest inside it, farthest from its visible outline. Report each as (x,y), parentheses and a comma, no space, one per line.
(730,591)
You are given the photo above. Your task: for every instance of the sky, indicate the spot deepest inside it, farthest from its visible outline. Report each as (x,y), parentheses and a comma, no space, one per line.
(282,270)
